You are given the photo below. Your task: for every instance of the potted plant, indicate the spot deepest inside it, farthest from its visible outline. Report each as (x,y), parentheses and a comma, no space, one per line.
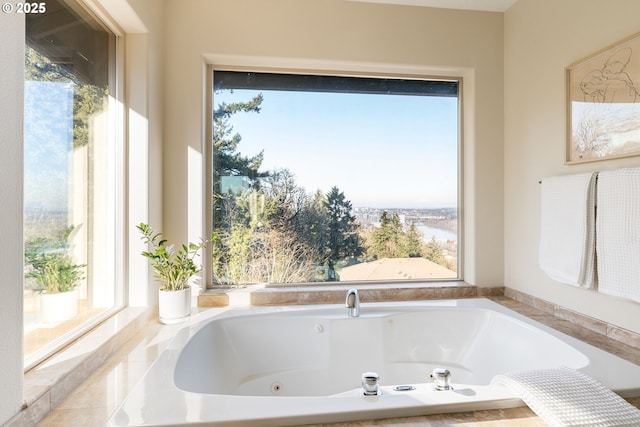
(55,275)
(172,268)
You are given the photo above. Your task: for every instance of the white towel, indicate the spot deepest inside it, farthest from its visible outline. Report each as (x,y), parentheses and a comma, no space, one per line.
(618,231)
(564,397)
(567,227)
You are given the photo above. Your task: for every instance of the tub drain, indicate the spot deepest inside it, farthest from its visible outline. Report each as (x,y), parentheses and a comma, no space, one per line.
(404,388)
(276,387)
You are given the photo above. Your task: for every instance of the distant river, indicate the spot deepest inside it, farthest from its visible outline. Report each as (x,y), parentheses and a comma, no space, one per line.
(440,233)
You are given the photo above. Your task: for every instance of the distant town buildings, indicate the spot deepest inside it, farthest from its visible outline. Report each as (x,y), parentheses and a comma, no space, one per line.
(370,217)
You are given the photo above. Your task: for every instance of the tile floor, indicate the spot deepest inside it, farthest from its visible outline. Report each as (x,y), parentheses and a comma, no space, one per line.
(93,401)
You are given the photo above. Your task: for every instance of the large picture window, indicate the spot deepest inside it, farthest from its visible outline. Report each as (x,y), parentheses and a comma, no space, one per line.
(70,182)
(327,178)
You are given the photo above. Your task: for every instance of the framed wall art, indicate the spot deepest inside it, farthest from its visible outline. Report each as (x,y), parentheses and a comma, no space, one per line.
(603,104)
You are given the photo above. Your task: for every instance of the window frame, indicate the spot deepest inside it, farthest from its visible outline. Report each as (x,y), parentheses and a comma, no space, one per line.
(116,136)
(209,104)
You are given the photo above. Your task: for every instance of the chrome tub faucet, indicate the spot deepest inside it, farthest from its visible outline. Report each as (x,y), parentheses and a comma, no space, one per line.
(352,303)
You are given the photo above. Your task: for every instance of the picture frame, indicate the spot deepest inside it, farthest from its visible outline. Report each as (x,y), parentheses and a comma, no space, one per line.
(603,104)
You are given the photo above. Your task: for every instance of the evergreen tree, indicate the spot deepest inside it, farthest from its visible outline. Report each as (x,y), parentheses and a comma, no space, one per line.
(227,160)
(391,241)
(344,238)
(386,238)
(433,252)
(396,232)
(313,224)
(412,243)
(232,215)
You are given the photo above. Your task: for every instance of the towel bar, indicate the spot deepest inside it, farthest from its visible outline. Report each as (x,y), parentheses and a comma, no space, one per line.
(540,182)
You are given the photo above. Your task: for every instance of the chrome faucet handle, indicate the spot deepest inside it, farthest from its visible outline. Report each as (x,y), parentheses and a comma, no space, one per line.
(370,384)
(441,379)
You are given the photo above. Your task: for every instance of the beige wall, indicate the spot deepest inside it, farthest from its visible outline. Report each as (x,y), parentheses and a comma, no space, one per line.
(342,36)
(542,37)
(11,220)
(140,24)
(145,99)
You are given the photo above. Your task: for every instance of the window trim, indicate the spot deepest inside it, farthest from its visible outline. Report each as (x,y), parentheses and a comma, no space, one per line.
(117,136)
(215,65)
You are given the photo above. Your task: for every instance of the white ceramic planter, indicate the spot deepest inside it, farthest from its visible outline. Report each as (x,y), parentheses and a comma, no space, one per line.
(56,308)
(174,306)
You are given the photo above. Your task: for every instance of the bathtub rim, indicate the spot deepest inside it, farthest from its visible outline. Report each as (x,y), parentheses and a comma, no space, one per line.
(277,410)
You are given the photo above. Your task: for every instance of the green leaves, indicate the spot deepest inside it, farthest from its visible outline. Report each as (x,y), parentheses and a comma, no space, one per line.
(172,268)
(51,266)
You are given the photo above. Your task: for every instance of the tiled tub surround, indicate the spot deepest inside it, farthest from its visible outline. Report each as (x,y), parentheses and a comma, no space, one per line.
(334,293)
(277,366)
(50,382)
(103,390)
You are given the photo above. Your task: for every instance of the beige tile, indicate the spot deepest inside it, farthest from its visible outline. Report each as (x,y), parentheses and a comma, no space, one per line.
(265,298)
(454,292)
(515,417)
(543,305)
(496,291)
(331,293)
(32,414)
(334,296)
(213,299)
(107,387)
(623,335)
(33,392)
(581,320)
(146,346)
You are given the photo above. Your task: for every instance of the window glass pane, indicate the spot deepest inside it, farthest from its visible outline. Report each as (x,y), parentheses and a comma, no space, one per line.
(69,182)
(319,178)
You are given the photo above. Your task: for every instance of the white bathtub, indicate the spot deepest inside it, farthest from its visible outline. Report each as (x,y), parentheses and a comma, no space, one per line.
(303,365)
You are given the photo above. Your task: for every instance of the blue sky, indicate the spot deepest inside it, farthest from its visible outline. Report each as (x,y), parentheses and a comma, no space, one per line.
(382,151)
(48,141)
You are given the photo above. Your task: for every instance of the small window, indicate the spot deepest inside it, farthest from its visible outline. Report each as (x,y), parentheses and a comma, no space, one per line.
(327,178)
